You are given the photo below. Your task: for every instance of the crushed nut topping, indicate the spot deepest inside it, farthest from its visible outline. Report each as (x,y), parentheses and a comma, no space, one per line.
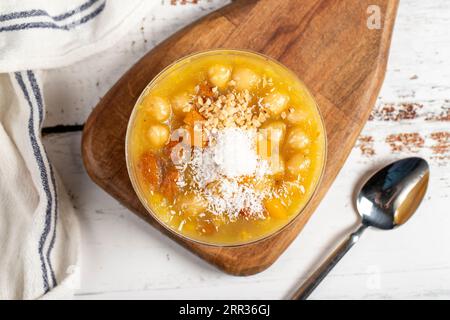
(225,110)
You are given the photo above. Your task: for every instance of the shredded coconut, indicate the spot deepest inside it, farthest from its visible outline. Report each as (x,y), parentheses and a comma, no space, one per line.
(218,170)
(233,198)
(235,152)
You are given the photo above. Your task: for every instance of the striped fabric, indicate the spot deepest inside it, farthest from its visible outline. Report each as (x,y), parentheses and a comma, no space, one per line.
(39,236)
(38,18)
(52,33)
(47,237)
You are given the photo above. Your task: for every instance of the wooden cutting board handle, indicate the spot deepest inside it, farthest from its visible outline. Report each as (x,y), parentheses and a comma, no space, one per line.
(338,48)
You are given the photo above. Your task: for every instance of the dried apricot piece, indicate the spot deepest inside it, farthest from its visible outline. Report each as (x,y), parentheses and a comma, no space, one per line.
(150,168)
(169,187)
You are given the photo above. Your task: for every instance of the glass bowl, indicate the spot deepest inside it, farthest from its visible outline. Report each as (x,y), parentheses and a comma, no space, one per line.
(174,67)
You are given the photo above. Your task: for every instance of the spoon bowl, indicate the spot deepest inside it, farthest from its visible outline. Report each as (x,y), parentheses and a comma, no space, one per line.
(392,195)
(387,200)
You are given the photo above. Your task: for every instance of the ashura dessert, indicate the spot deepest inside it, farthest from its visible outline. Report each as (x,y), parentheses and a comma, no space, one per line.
(225,147)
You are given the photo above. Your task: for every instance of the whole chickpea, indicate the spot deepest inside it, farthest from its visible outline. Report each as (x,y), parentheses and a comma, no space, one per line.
(158,135)
(180,102)
(297,139)
(245,78)
(297,116)
(276,102)
(157,107)
(219,75)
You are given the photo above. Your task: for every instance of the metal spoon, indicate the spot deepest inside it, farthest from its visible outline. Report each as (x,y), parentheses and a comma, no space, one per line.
(386,200)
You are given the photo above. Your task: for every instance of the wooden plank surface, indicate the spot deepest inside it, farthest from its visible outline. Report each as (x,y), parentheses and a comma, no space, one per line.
(412,263)
(309,42)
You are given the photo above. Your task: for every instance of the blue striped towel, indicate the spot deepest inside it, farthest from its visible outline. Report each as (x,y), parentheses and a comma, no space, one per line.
(39,235)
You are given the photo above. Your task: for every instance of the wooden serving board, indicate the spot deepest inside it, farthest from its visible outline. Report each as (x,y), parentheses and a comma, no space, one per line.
(330,46)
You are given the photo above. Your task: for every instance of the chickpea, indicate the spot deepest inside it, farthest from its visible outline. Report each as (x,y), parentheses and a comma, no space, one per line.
(245,78)
(297,139)
(157,107)
(297,116)
(298,164)
(219,75)
(180,102)
(158,135)
(276,102)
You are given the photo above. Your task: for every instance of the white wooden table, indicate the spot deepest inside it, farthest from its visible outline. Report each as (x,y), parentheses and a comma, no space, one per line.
(123,257)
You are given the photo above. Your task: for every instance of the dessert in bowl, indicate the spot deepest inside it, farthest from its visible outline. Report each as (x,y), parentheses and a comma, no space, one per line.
(225,147)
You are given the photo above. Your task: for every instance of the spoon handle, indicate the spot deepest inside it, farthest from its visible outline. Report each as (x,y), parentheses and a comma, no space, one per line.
(316,278)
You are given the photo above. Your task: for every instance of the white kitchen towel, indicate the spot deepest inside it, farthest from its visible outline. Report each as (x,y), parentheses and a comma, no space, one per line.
(39,236)
(42,34)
